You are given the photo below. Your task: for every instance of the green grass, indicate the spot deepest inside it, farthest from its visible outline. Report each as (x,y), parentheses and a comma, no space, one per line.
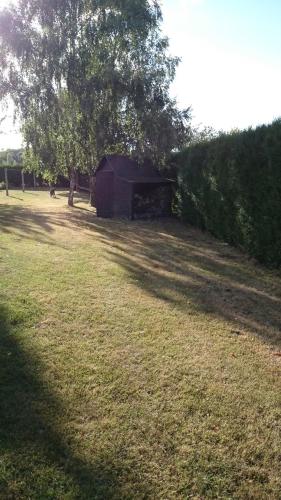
(137,360)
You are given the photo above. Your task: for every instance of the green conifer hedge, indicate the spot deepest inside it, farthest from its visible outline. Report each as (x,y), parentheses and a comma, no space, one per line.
(231,186)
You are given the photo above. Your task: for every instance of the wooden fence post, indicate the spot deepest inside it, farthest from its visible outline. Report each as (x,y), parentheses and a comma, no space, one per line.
(6,182)
(22,181)
(92,185)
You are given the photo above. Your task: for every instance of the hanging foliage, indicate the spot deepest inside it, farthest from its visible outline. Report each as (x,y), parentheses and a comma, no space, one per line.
(90,78)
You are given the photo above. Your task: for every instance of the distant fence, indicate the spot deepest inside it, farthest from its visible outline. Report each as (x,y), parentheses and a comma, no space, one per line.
(30,180)
(15,179)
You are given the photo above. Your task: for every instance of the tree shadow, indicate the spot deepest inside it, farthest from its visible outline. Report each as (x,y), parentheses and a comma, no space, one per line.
(86,209)
(174,263)
(37,460)
(79,196)
(31,193)
(15,198)
(27,224)
(181,265)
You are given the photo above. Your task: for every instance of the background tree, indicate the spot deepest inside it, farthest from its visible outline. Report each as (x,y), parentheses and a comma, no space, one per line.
(10,158)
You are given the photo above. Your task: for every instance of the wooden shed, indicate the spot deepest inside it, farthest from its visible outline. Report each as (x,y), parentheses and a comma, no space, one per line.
(126,189)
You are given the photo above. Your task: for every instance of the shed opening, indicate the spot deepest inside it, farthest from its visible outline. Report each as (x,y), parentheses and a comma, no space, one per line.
(151,201)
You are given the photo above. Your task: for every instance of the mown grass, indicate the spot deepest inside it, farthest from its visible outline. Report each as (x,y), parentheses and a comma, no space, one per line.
(137,360)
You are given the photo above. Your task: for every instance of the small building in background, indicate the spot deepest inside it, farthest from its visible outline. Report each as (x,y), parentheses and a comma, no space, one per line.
(125,189)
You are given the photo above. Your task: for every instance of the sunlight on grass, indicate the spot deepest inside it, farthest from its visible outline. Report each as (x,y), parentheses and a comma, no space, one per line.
(138,360)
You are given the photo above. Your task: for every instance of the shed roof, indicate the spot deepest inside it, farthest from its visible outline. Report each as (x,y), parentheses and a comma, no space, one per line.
(131,171)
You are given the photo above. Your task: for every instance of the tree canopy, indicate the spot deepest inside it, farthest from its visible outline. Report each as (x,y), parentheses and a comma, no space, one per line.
(90,77)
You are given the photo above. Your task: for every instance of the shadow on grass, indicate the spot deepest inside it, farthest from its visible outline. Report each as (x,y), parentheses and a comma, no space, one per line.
(180,265)
(79,196)
(174,263)
(32,192)
(36,458)
(15,197)
(27,223)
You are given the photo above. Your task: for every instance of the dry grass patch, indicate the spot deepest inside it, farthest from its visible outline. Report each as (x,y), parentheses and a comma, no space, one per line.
(137,359)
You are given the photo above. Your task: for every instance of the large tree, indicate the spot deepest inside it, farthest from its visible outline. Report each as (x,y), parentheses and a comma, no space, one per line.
(90,77)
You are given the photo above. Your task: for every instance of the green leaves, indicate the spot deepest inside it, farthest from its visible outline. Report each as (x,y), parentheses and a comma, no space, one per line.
(90,78)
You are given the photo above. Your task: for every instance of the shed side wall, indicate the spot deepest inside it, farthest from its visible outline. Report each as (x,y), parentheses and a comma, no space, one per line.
(123,199)
(104,194)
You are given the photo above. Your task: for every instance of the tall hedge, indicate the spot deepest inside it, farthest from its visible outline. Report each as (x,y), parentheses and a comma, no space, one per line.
(231,186)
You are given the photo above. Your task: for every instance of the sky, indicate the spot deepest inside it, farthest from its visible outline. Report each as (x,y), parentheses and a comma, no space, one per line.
(230,70)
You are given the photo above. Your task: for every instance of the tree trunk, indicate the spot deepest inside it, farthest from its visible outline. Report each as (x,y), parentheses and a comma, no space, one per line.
(92,185)
(22,181)
(6,182)
(34,180)
(71,188)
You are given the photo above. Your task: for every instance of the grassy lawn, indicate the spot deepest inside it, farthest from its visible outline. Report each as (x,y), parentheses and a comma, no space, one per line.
(137,360)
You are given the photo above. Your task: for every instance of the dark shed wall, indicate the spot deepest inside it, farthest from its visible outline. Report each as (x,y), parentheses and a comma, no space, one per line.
(104,194)
(123,198)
